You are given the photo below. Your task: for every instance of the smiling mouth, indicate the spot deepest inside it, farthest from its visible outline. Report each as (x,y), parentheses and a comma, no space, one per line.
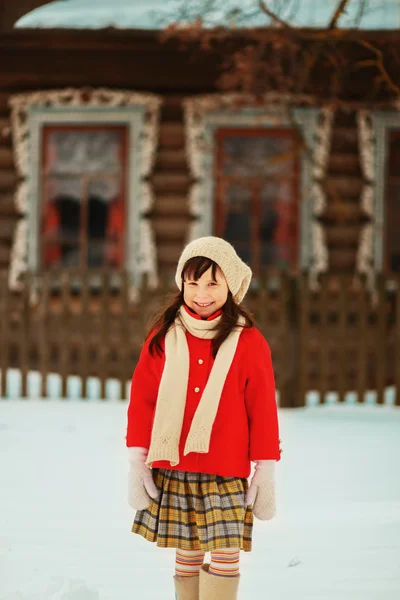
(204,304)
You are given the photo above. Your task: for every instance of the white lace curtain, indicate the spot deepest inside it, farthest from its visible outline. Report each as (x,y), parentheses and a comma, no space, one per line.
(72,154)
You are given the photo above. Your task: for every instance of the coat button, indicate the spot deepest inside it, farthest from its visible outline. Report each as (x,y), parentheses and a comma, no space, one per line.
(196,389)
(200,361)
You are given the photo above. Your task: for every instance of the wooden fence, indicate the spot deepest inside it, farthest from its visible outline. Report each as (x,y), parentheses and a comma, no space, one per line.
(339,337)
(349,339)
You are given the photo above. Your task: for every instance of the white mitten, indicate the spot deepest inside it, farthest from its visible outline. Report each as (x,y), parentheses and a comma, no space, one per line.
(141,486)
(262,490)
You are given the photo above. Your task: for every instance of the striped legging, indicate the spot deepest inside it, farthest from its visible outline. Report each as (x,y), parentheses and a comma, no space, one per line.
(224,562)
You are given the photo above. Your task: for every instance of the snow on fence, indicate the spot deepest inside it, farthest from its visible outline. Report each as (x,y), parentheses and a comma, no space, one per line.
(79,334)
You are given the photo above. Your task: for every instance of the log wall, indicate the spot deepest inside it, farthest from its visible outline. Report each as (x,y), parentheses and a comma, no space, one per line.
(138,61)
(171,183)
(343,216)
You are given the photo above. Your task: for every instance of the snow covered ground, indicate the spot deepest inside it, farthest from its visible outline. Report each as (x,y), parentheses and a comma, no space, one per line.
(65,523)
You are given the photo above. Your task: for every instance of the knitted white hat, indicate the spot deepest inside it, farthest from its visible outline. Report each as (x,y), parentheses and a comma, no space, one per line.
(236,272)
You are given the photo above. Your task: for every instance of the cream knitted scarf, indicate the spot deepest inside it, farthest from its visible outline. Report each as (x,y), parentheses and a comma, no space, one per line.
(172,392)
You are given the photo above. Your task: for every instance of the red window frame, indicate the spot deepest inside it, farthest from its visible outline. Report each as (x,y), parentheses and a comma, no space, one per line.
(255,185)
(83,238)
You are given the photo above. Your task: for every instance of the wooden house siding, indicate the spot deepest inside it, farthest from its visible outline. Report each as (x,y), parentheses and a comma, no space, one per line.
(40,60)
(343,216)
(294,319)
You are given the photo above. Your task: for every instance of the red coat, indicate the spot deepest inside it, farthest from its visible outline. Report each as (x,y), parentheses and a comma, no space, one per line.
(246,425)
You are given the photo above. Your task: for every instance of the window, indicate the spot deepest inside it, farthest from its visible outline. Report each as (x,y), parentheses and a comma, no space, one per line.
(257,194)
(392,250)
(257,168)
(84,160)
(83,196)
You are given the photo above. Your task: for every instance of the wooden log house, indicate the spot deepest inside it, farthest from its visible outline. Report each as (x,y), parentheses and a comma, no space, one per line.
(117,147)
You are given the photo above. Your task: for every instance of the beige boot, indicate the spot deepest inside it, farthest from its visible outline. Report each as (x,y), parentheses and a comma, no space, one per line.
(186,588)
(213,587)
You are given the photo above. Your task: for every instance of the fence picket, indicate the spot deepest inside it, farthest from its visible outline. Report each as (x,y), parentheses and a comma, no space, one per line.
(303,320)
(84,335)
(64,333)
(5,333)
(43,337)
(342,345)
(104,349)
(380,347)
(124,359)
(362,346)
(24,336)
(287,387)
(397,345)
(325,338)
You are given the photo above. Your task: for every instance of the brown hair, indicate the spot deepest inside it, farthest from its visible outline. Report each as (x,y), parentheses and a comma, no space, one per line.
(195,268)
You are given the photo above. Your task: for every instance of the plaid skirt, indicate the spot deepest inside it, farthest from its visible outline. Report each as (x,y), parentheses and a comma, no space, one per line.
(197,510)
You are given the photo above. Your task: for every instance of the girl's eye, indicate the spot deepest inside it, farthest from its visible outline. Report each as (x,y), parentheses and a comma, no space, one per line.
(213,283)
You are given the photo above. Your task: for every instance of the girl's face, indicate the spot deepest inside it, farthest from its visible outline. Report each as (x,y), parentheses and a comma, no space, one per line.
(206,295)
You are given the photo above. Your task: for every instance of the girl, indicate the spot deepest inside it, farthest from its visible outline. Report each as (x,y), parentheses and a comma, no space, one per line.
(202,406)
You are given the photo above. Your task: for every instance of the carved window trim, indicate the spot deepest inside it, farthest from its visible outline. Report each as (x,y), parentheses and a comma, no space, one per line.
(139,113)
(205,114)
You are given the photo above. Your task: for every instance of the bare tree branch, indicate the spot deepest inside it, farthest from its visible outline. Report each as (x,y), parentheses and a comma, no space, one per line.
(272,15)
(360,13)
(380,65)
(292,59)
(341,7)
